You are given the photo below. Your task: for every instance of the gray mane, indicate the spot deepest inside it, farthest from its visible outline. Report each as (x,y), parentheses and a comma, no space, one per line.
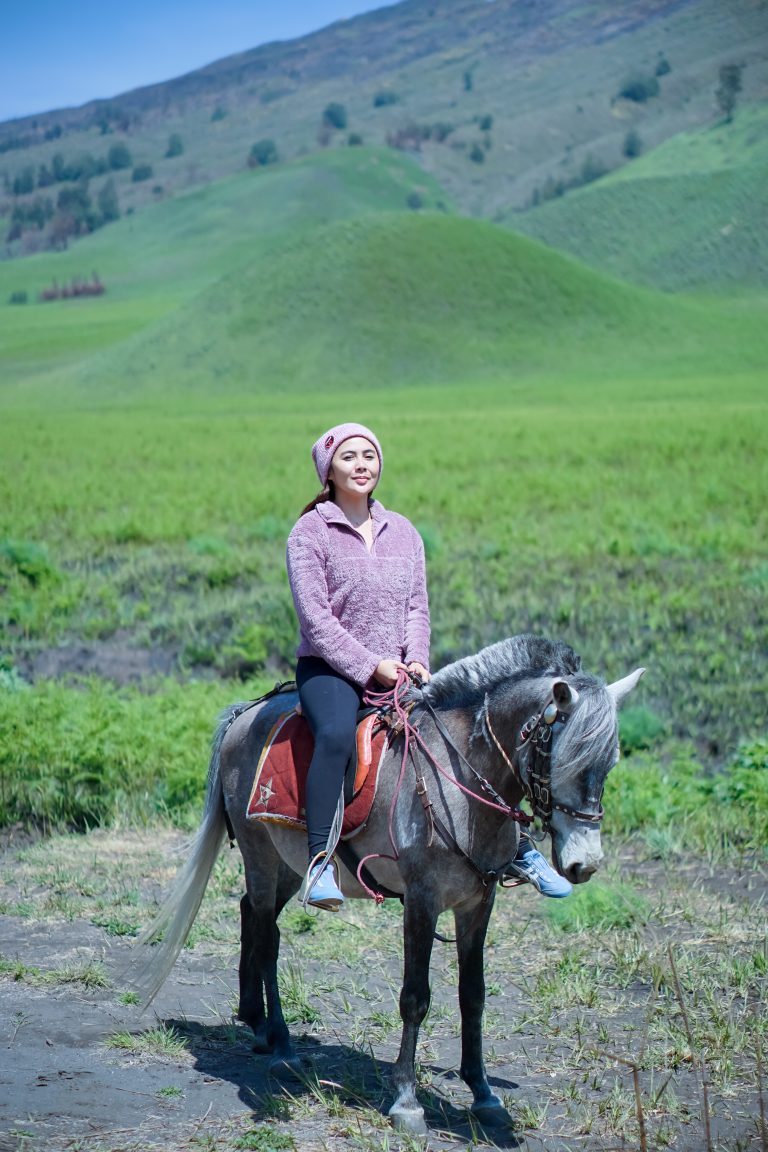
(464,683)
(589,736)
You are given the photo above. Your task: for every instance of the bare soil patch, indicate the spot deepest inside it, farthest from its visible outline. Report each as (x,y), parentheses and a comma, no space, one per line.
(81,1068)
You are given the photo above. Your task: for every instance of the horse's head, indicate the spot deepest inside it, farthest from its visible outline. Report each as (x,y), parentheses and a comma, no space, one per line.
(551,731)
(562,757)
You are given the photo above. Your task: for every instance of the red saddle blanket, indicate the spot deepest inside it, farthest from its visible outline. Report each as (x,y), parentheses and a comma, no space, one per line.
(279,785)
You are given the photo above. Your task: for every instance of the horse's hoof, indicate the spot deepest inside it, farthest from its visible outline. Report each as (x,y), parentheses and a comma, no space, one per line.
(410,1120)
(491,1114)
(287,1069)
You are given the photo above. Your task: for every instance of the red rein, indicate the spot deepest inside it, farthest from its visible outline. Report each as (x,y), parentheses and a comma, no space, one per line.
(391,698)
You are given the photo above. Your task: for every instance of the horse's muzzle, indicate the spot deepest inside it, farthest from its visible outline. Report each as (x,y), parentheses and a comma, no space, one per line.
(580,873)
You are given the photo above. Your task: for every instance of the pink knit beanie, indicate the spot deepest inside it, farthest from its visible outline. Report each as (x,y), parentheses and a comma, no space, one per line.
(324,448)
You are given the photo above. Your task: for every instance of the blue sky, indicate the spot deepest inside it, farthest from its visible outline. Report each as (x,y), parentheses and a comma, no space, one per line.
(61,53)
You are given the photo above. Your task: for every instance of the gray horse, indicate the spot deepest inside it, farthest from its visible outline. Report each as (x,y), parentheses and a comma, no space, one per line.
(518,720)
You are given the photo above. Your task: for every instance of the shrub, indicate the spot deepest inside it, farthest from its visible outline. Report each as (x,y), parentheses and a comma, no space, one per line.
(141,172)
(355,140)
(27,558)
(633,145)
(18,298)
(384,97)
(640,728)
(639,88)
(108,203)
(219,113)
(730,86)
(486,123)
(119,156)
(262,153)
(335,116)
(477,154)
(175,146)
(663,67)
(415,201)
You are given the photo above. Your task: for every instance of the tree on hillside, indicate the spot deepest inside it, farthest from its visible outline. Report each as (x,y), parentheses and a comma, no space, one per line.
(639,88)
(142,172)
(633,144)
(75,214)
(24,182)
(730,86)
(385,96)
(175,146)
(109,207)
(119,156)
(263,152)
(335,116)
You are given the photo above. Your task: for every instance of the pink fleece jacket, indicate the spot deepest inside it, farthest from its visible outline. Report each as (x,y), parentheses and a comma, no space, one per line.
(357,607)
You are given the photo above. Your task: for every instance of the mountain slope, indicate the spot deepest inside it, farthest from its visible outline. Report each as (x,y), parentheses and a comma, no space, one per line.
(542,77)
(691,214)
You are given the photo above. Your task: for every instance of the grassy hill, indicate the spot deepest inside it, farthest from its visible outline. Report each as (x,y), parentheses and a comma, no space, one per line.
(492,99)
(309,275)
(154,262)
(690,214)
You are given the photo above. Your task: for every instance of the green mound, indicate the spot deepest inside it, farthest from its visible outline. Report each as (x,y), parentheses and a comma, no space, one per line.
(689,215)
(155,262)
(393,299)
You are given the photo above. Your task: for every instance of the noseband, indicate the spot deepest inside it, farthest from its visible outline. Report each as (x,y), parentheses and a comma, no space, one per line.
(536,738)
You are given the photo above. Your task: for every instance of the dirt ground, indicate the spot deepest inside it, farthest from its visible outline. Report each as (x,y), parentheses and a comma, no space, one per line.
(65,1085)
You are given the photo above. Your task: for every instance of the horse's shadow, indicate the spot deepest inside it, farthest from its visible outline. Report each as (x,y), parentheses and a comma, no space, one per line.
(334,1074)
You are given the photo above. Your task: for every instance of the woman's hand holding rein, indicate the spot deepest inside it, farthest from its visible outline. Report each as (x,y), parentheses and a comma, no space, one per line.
(387,671)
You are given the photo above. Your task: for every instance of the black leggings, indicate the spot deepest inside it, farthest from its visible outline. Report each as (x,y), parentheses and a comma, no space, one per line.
(330,703)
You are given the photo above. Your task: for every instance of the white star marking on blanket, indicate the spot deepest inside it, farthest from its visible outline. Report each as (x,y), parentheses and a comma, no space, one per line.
(266,792)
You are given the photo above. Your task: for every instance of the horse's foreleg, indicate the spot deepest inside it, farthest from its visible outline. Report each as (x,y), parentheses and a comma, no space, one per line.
(471,928)
(419,921)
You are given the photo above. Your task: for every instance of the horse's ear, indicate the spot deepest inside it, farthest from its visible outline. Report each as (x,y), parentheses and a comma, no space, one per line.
(564,695)
(622,688)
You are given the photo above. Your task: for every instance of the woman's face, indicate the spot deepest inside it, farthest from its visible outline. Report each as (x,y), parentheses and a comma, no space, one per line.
(355,467)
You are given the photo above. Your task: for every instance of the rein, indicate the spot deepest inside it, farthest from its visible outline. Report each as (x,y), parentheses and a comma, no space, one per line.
(413,744)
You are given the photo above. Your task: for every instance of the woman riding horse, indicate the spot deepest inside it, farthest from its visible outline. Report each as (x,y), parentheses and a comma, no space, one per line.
(358,579)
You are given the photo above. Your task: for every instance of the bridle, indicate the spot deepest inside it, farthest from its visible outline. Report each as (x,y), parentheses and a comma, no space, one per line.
(535,739)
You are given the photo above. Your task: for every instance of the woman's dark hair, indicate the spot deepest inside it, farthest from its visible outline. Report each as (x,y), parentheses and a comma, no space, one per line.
(328,493)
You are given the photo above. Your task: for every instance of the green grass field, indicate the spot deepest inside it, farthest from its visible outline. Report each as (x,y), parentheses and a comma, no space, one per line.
(583,457)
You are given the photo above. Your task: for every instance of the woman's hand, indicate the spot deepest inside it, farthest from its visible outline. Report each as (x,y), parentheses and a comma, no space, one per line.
(387,670)
(419,670)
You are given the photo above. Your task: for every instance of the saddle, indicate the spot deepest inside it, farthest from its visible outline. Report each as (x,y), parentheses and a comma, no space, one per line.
(279,785)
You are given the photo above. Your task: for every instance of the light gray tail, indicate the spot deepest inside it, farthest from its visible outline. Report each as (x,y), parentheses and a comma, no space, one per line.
(156,949)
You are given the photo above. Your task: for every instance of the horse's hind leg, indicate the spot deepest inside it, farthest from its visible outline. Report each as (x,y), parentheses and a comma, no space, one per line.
(419,921)
(260,1005)
(251,1007)
(471,928)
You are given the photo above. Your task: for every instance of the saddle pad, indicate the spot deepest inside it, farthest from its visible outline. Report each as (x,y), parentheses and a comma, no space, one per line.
(279,785)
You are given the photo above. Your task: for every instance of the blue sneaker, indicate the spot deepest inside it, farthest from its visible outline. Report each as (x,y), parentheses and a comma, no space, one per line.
(529,864)
(320,889)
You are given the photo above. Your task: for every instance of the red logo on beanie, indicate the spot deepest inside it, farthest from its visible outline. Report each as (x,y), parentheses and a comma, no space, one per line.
(328,442)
